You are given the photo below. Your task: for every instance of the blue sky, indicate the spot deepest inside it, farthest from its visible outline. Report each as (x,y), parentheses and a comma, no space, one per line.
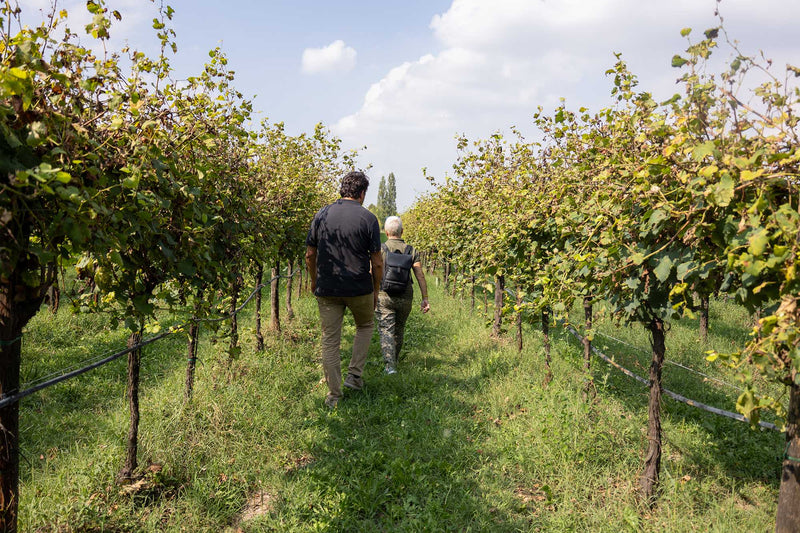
(265,40)
(405,77)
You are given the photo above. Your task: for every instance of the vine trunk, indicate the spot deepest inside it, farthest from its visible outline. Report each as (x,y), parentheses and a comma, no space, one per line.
(497,323)
(275,298)
(788,518)
(652,464)
(18,304)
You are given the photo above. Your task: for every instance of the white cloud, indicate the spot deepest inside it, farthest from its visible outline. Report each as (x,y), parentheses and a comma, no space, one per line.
(500,60)
(336,57)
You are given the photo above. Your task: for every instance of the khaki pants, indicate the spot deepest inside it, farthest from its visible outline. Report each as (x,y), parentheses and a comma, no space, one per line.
(331,314)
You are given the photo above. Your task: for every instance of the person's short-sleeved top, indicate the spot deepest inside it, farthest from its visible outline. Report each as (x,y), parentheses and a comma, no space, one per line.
(344,234)
(393,244)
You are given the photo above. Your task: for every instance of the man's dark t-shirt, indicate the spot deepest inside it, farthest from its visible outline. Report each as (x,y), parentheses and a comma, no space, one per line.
(344,234)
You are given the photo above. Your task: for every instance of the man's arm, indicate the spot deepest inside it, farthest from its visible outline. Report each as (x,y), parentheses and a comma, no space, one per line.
(376,259)
(311,263)
(423,286)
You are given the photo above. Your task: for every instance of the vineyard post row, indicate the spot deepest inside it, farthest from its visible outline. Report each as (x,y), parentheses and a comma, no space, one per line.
(651,207)
(153,189)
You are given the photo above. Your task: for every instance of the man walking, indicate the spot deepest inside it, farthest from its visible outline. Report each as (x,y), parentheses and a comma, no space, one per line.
(343,255)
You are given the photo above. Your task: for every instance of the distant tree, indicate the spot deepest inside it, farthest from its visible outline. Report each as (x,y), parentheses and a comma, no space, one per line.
(372,208)
(387,194)
(380,211)
(391,195)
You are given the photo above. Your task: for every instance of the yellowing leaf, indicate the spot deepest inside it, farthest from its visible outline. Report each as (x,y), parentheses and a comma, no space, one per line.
(749,175)
(759,288)
(758,243)
(678,289)
(745,403)
(722,192)
(18,73)
(702,150)
(708,171)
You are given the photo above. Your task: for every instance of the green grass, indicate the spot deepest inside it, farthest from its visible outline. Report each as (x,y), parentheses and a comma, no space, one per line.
(463,438)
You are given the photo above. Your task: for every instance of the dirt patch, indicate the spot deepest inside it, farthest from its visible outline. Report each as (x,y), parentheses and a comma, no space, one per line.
(258,504)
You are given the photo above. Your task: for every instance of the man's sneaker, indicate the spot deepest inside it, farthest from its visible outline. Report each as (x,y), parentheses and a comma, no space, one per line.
(389,369)
(330,402)
(353,382)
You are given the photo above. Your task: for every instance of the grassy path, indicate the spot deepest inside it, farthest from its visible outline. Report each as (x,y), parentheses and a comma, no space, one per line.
(463,438)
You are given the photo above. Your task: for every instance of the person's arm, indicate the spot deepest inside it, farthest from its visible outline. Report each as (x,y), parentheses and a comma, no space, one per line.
(376,259)
(311,263)
(423,286)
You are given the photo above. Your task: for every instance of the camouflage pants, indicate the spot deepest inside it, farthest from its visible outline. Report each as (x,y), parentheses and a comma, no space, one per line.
(392,313)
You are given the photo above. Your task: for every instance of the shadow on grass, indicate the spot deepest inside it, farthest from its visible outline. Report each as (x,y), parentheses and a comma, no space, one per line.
(398,457)
(401,454)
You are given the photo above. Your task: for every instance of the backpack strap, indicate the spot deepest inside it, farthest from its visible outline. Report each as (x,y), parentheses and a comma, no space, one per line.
(384,253)
(407,251)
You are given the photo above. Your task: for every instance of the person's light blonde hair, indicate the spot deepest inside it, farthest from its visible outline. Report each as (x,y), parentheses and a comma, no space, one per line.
(393,226)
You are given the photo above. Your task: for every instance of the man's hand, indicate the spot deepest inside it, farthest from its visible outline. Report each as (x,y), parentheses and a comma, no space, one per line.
(311,263)
(376,262)
(425,305)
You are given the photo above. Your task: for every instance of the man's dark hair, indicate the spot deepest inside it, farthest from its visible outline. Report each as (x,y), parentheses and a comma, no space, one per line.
(353,184)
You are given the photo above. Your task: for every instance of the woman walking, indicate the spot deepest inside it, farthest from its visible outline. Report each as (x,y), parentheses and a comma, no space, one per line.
(396,296)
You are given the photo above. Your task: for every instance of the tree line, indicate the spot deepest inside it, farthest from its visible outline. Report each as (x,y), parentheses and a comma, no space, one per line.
(649,208)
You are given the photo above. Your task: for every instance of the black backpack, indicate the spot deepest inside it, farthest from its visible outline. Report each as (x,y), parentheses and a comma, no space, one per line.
(396,271)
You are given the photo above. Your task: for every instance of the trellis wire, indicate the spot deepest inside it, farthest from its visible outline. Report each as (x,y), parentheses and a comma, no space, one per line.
(65,375)
(673,363)
(667,361)
(673,395)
